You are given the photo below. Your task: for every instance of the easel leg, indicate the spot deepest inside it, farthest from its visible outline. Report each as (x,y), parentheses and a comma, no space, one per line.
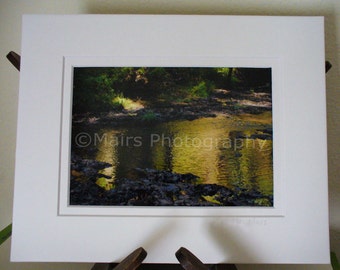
(14,58)
(190,262)
(131,262)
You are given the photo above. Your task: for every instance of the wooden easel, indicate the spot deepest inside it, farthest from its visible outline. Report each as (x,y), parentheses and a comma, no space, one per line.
(187,260)
(134,260)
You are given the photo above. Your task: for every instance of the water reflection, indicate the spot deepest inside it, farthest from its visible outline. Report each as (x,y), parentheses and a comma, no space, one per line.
(218,150)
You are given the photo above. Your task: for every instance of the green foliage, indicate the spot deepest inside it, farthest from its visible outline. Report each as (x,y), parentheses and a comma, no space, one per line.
(5,233)
(230,76)
(158,73)
(93,90)
(126,103)
(99,89)
(117,103)
(201,90)
(149,116)
(334,261)
(245,78)
(104,93)
(224,71)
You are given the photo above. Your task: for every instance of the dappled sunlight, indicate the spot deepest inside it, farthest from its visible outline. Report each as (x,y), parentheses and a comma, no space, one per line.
(127,103)
(263,118)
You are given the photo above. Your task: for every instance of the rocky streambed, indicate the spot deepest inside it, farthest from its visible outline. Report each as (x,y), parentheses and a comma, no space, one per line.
(152,187)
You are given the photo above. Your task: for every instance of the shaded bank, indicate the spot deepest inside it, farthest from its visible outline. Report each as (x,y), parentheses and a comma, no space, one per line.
(228,103)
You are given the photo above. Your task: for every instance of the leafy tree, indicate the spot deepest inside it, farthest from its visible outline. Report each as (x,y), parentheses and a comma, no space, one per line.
(96,89)
(92,90)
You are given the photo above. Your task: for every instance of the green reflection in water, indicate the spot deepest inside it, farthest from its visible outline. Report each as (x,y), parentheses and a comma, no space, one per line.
(218,150)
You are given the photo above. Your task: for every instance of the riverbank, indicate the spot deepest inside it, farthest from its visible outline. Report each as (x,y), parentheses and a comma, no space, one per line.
(221,101)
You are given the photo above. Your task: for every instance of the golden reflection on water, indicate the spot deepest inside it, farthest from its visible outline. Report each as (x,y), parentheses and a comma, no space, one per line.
(218,150)
(107,151)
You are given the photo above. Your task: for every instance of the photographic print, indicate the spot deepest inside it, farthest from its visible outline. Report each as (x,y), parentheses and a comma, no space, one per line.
(171,136)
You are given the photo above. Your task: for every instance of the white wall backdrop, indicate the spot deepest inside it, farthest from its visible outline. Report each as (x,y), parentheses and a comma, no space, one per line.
(10,34)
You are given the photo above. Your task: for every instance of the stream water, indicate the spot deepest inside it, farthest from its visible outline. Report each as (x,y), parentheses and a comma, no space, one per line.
(219,150)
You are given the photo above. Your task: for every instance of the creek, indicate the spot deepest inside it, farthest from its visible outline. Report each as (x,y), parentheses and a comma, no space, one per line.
(236,152)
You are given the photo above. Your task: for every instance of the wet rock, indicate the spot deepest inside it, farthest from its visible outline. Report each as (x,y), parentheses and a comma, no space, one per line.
(163,188)
(87,167)
(261,136)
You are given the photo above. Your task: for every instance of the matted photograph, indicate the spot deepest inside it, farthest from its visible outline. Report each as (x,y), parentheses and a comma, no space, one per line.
(168,131)
(171,136)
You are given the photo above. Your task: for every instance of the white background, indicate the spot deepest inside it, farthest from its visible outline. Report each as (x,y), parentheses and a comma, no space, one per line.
(10,33)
